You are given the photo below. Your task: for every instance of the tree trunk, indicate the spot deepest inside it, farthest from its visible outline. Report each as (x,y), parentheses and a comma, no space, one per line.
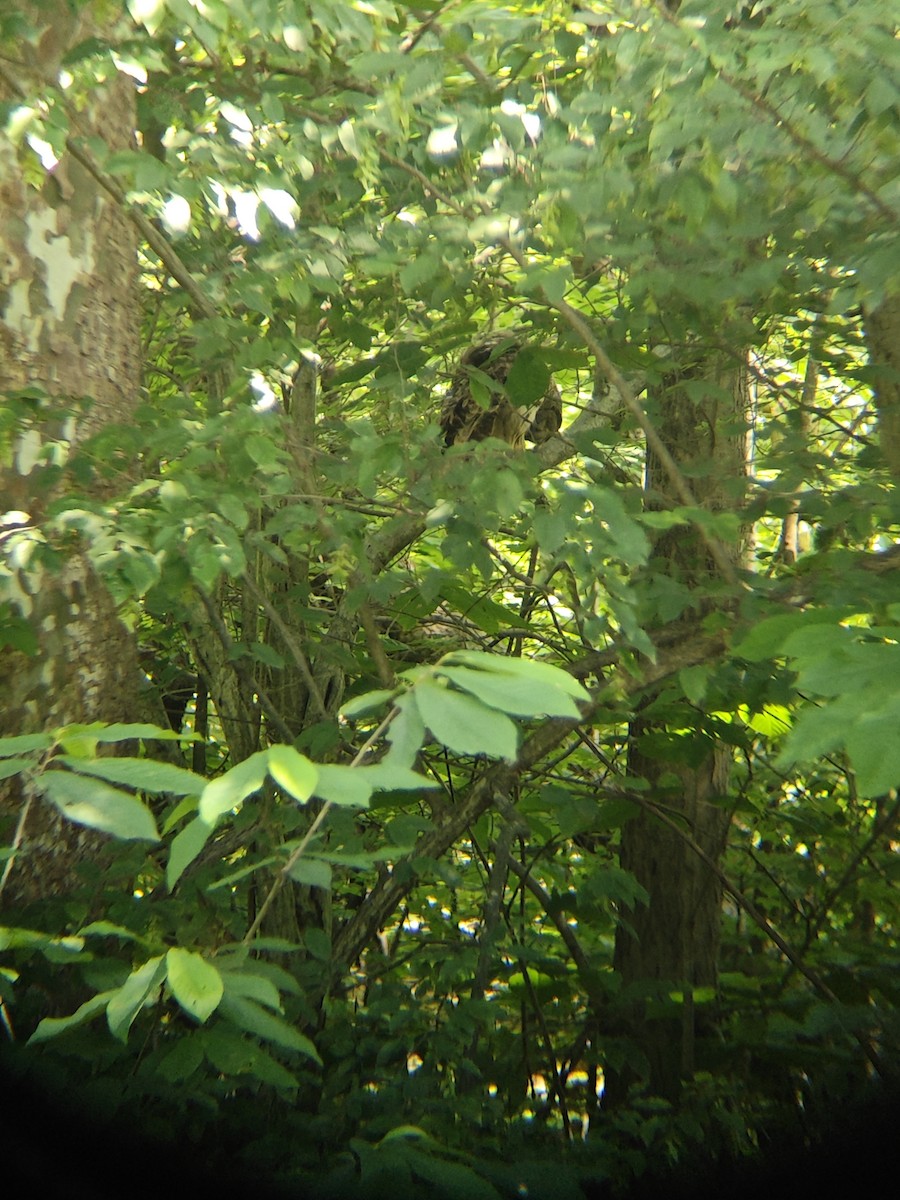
(670,945)
(68,326)
(883,338)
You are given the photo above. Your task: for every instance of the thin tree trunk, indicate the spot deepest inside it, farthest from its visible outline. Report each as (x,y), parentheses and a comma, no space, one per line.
(670,945)
(883,338)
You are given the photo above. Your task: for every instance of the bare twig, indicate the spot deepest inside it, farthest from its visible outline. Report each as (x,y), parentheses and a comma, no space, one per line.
(293,646)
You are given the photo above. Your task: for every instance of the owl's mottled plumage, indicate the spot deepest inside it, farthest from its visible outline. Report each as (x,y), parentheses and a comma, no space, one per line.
(463,419)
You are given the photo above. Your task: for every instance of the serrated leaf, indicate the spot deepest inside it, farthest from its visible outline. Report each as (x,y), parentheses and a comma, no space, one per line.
(252,1018)
(344,785)
(510,694)
(93,803)
(292,771)
(186,845)
(130,998)
(195,983)
(464,725)
(145,774)
(229,790)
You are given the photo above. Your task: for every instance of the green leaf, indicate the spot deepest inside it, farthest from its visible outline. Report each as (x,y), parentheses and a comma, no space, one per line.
(13,766)
(816,731)
(318,943)
(253,987)
(125,733)
(360,705)
(694,681)
(453,1180)
(262,451)
(249,1016)
(520,668)
(182,1060)
(464,725)
(874,751)
(182,809)
(773,722)
(229,790)
(528,378)
(312,872)
(145,774)
(767,638)
(126,1003)
(195,983)
(293,772)
(12,938)
(109,929)
(406,733)
(52,1026)
(95,804)
(186,845)
(23,742)
(389,777)
(345,786)
(628,538)
(517,696)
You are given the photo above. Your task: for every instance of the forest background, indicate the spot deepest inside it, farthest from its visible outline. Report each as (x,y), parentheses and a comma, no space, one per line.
(380,813)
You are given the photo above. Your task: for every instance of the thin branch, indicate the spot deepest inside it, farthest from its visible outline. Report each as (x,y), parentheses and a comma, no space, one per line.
(499,780)
(296,652)
(250,685)
(755,915)
(284,874)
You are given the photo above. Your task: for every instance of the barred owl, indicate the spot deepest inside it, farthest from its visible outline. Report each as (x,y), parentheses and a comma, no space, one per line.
(463,419)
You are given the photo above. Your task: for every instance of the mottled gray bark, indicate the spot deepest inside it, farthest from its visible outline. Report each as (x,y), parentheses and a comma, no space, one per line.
(69,326)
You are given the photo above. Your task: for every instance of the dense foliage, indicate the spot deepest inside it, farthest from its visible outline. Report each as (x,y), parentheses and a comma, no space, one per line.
(353,915)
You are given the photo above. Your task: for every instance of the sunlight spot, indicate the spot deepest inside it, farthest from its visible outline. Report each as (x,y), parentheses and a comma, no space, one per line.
(281,205)
(176,215)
